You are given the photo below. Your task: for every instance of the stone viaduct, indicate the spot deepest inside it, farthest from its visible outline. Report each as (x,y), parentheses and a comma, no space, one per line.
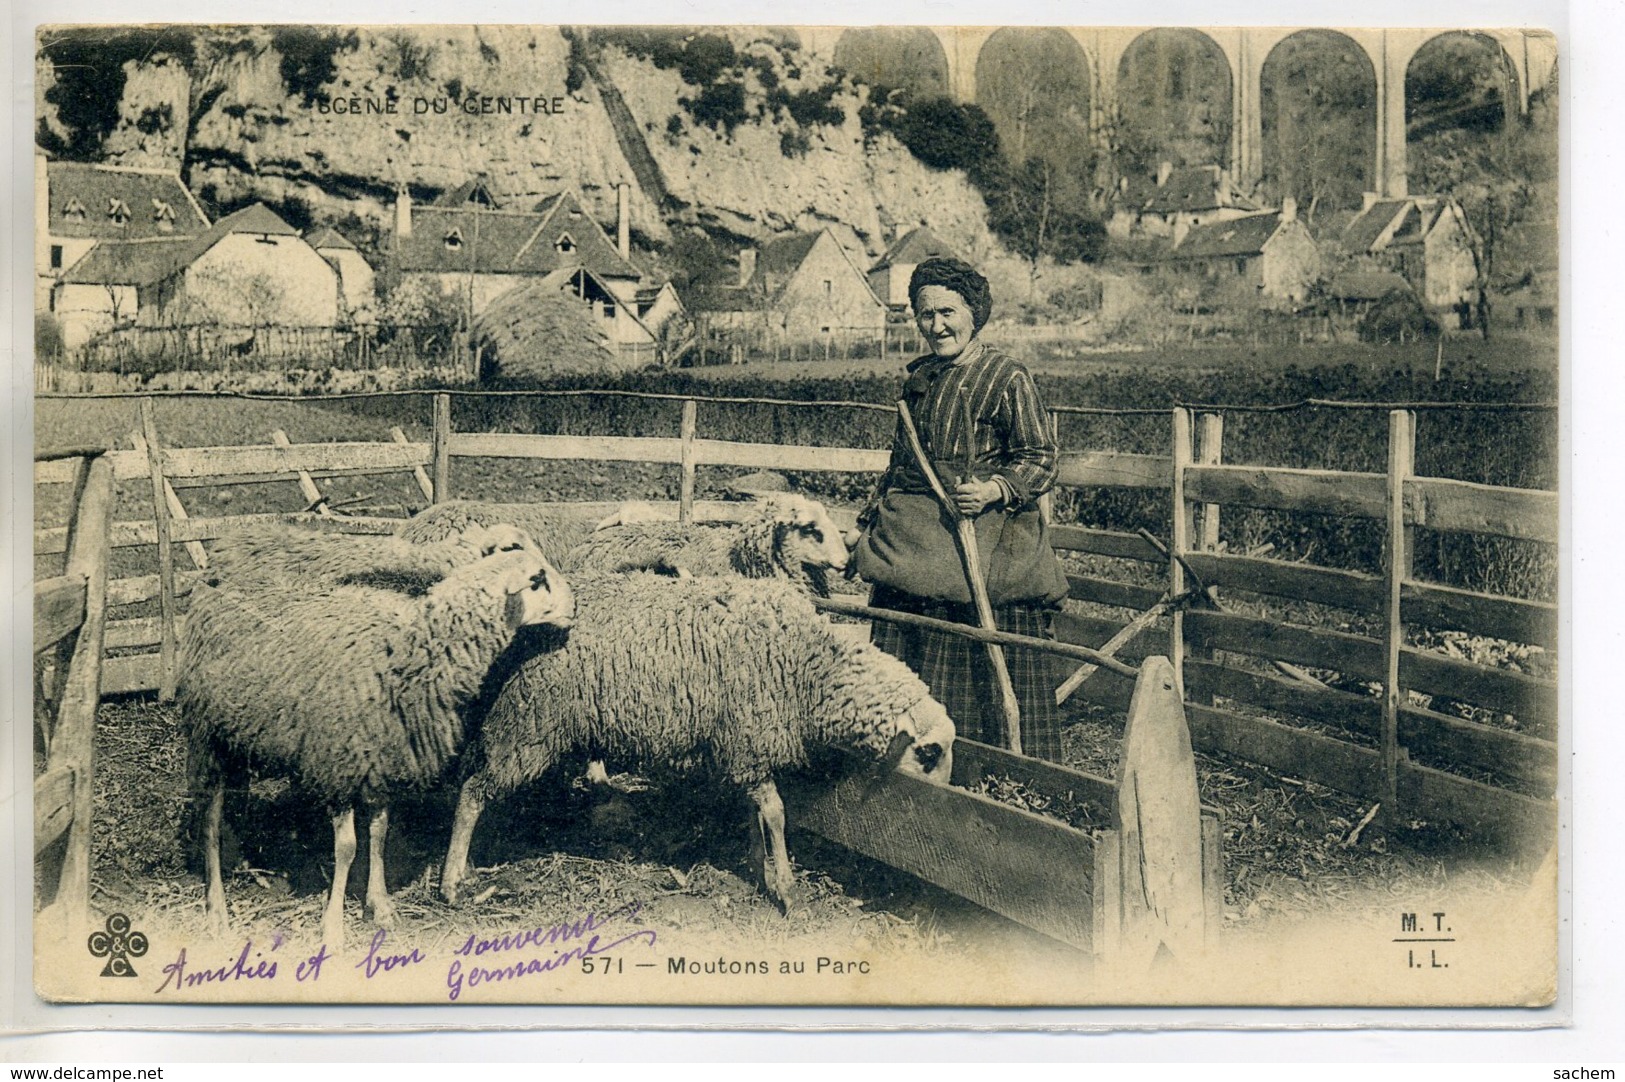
(1530,56)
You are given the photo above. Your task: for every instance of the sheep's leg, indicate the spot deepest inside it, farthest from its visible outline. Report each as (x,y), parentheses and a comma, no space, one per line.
(469,806)
(776,872)
(597,773)
(215,900)
(343,855)
(383,910)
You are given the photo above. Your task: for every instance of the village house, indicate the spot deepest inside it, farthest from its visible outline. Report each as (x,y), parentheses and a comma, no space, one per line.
(803,288)
(357,294)
(469,244)
(249,269)
(79,205)
(1429,241)
(1271,251)
(1176,201)
(890,274)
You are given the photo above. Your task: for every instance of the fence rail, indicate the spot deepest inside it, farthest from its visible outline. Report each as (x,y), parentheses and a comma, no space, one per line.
(1389,731)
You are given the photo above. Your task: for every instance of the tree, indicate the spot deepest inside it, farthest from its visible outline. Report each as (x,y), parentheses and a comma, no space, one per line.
(1318,95)
(1042,212)
(1505,182)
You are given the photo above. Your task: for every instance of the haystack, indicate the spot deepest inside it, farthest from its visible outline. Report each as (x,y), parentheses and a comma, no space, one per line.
(538,330)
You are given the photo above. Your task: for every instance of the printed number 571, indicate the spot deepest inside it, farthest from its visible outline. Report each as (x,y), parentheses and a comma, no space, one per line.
(601,965)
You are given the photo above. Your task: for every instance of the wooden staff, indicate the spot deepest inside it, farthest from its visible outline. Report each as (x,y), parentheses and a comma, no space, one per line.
(968,549)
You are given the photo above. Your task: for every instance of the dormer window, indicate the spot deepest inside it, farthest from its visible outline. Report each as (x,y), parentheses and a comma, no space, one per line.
(565,245)
(454,239)
(118,211)
(74,210)
(164,215)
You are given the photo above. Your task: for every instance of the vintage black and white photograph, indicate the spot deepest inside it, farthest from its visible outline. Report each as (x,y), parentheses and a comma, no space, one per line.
(782,515)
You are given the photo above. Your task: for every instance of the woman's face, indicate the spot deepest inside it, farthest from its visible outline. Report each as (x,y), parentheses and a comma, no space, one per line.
(944,319)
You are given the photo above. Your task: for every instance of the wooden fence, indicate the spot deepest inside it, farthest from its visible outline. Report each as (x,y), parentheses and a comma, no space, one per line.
(1496,772)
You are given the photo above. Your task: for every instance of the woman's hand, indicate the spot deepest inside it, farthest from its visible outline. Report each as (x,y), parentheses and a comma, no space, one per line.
(973,497)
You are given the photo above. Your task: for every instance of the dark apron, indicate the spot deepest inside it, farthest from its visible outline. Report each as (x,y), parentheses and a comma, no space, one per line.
(912,545)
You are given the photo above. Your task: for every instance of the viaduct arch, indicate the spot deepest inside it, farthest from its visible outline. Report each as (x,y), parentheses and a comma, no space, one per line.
(1529,58)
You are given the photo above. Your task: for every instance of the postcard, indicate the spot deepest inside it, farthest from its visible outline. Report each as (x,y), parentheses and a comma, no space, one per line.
(770,515)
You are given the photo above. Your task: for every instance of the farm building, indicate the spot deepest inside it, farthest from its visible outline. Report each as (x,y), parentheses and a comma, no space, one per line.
(803,288)
(250,268)
(889,276)
(1175,202)
(1429,241)
(78,206)
(357,297)
(466,241)
(1271,251)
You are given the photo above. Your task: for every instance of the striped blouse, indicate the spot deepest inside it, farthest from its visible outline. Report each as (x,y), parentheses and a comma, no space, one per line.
(1008,437)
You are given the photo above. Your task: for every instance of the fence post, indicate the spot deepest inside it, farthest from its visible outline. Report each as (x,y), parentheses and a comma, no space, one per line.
(424,484)
(1180,539)
(166,561)
(79,680)
(1397,567)
(1203,532)
(442,447)
(307,484)
(685,494)
(1046,502)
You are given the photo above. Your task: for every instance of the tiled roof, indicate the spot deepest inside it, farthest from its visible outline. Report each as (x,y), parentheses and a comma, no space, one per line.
(916,246)
(464,239)
(330,238)
(130,262)
(90,201)
(468,192)
(1416,216)
(778,259)
(1236,237)
(146,261)
(1195,188)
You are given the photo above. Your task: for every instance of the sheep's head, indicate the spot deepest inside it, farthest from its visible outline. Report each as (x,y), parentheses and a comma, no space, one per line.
(531,589)
(501,537)
(923,744)
(806,540)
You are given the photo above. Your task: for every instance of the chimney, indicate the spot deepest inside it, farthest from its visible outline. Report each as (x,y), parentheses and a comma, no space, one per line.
(1164,171)
(1367,201)
(747,266)
(623,219)
(403,213)
(1289,209)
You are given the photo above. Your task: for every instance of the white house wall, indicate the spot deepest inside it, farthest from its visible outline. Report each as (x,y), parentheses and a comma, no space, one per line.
(249,279)
(805,308)
(84,311)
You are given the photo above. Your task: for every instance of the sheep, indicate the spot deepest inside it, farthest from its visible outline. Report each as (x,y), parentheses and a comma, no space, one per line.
(743,673)
(355,691)
(555,528)
(281,553)
(785,536)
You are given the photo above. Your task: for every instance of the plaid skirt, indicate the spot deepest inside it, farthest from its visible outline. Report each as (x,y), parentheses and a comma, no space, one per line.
(960,676)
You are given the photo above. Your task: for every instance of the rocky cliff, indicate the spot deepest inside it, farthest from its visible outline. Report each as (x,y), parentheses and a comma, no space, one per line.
(340,120)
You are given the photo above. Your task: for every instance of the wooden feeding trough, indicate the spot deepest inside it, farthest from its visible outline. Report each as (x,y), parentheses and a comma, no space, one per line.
(1148,878)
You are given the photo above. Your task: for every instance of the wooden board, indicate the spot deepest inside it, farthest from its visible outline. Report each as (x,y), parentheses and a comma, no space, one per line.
(1324,492)
(1532,701)
(53,806)
(1116,543)
(1465,507)
(1114,469)
(772,456)
(601,448)
(59,609)
(1160,825)
(1355,655)
(1281,578)
(1106,592)
(973,761)
(1035,871)
(1429,605)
